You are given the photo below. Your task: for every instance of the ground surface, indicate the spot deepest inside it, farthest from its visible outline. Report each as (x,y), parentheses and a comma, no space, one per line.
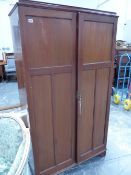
(118,157)
(9,94)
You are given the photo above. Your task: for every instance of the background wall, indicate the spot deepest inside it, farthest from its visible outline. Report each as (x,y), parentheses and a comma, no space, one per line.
(78,3)
(122,7)
(5,32)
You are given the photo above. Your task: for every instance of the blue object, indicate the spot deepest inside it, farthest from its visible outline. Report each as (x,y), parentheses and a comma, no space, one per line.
(125,78)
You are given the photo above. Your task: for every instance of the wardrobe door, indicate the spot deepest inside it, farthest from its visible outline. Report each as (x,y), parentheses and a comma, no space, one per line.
(95,63)
(49,52)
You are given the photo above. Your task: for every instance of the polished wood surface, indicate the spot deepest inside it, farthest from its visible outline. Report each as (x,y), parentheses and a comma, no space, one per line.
(101,92)
(52,34)
(94,74)
(102,51)
(65,119)
(43,111)
(65,57)
(49,48)
(86,118)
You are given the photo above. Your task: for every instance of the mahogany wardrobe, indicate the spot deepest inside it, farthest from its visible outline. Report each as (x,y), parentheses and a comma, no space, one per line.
(64,62)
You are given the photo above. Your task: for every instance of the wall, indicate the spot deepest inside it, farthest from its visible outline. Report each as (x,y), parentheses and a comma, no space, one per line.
(122,7)
(78,3)
(127,26)
(5,30)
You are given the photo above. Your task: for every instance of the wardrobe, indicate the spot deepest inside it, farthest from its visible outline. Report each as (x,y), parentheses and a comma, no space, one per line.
(64,61)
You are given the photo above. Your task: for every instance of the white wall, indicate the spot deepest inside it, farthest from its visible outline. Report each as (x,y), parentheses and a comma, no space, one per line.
(123,9)
(127,26)
(78,3)
(5,30)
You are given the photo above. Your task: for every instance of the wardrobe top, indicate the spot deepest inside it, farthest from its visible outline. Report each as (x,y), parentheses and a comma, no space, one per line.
(45,5)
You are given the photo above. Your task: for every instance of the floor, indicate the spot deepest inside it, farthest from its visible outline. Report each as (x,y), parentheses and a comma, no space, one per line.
(118,157)
(9,93)
(9,96)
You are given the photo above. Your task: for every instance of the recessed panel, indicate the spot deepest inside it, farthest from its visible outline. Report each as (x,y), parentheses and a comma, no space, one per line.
(64,117)
(42,105)
(102,82)
(96,42)
(50,41)
(87,106)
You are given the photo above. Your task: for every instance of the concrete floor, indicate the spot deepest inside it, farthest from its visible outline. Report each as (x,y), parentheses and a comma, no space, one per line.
(9,94)
(118,157)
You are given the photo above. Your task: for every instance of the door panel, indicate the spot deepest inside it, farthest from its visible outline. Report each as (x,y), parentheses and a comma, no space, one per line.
(41,86)
(50,45)
(95,39)
(57,43)
(96,42)
(63,117)
(102,78)
(86,119)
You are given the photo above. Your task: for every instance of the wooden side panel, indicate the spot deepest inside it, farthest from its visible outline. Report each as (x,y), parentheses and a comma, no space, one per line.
(19,61)
(86,119)
(41,92)
(102,81)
